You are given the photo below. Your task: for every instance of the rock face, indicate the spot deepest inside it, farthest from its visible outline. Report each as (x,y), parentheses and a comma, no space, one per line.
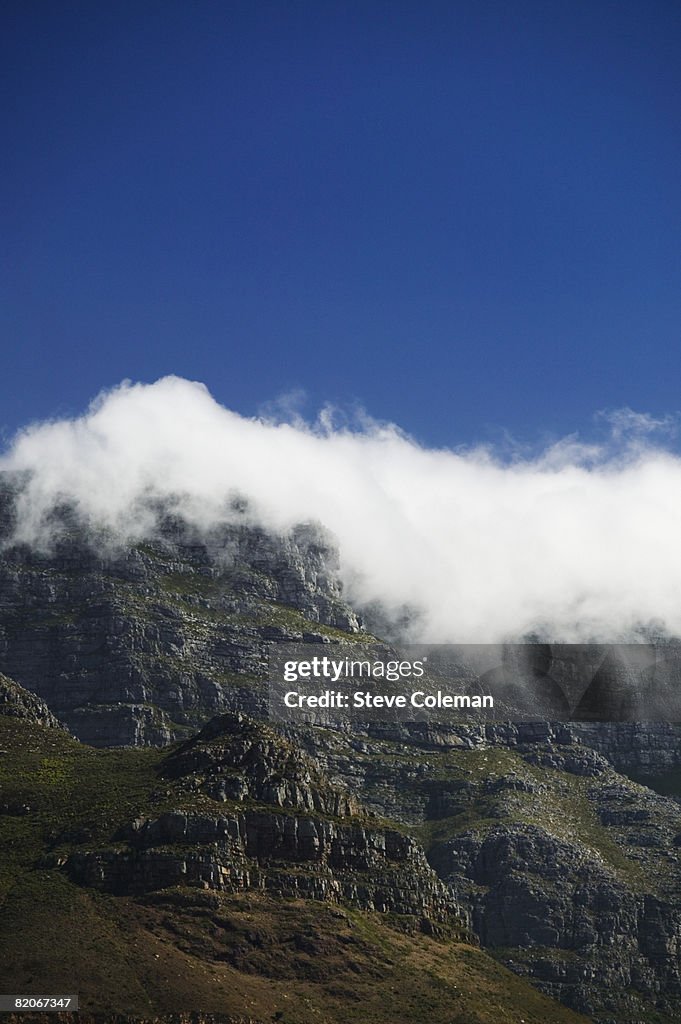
(569,871)
(16,702)
(234,758)
(284,829)
(137,645)
(565,870)
(286,855)
(571,921)
(645,748)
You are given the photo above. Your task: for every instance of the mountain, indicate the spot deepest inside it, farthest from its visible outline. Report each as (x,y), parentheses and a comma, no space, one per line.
(125,880)
(140,644)
(167,849)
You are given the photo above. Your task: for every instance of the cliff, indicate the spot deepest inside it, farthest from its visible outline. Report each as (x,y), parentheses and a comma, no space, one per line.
(124,881)
(270,858)
(17,702)
(139,644)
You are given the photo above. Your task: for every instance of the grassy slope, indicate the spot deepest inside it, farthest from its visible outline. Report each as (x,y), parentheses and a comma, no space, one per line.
(555,800)
(292,961)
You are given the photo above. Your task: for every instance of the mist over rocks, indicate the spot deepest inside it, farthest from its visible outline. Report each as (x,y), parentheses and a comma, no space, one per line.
(575,543)
(139,643)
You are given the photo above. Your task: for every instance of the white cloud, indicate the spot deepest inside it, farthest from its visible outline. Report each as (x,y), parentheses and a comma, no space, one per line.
(583,540)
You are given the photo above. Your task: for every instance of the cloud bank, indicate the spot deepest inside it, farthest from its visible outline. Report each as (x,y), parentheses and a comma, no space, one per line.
(576,542)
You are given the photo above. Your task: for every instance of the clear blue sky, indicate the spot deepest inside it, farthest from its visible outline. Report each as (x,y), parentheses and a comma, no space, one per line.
(465,216)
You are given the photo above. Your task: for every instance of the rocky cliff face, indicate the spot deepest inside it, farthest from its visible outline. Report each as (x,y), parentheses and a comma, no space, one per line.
(567,919)
(564,869)
(287,856)
(643,748)
(124,881)
(284,828)
(568,870)
(17,702)
(139,644)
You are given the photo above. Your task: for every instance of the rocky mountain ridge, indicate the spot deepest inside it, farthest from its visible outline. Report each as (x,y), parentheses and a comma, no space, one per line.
(123,878)
(522,836)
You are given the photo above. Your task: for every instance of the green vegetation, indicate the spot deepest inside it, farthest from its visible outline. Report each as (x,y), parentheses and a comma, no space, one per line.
(492,786)
(287,960)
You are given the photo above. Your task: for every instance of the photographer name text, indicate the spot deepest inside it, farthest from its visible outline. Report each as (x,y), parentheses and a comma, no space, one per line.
(336,699)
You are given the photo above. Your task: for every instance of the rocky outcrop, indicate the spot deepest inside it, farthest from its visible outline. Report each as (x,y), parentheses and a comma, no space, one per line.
(580,930)
(282,828)
(235,758)
(643,748)
(17,702)
(639,748)
(286,855)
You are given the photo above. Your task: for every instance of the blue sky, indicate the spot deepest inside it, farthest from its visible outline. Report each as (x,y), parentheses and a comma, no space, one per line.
(463,216)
